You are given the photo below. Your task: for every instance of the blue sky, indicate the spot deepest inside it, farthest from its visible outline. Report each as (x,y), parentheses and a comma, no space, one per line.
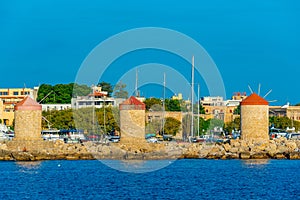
(251,42)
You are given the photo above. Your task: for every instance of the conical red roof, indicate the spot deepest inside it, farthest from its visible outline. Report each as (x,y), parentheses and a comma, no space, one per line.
(254,99)
(28,104)
(132,103)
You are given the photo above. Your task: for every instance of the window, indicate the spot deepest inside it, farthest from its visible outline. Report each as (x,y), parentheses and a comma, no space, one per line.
(0,93)
(5,93)
(16,93)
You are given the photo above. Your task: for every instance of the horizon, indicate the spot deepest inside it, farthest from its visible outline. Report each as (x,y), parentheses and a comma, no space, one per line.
(250,43)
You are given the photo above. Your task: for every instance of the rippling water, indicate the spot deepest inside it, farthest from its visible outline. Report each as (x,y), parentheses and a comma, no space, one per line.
(181,179)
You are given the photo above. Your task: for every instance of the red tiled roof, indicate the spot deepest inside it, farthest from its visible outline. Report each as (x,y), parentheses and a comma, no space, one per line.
(98,94)
(28,104)
(132,101)
(254,99)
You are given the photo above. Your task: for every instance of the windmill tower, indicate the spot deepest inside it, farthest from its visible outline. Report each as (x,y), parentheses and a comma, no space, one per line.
(255,118)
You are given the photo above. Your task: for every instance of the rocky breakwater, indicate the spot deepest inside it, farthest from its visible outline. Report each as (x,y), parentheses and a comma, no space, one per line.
(138,149)
(238,149)
(45,150)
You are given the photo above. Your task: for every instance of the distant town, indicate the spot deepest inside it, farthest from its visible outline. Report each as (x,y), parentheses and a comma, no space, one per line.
(211,107)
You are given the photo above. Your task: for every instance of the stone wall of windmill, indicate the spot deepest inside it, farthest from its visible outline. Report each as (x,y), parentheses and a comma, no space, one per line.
(132,118)
(254,119)
(28,126)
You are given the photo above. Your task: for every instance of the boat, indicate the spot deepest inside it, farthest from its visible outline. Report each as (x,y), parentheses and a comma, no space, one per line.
(277,133)
(72,135)
(5,133)
(293,136)
(52,135)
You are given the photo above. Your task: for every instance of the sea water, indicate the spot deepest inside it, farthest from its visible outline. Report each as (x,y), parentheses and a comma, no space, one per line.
(172,179)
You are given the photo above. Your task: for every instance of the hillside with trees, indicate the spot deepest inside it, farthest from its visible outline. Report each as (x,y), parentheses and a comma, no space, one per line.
(65,119)
(61,93)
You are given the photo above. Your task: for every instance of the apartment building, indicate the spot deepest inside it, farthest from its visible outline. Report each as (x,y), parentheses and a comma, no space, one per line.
(9,97)
(97,99)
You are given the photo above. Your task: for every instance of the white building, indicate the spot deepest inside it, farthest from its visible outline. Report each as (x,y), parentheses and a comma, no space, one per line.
(48,107)
(92,101)
(212,101)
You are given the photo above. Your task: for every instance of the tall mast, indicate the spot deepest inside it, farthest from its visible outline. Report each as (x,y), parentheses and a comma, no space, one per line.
(192,100)
(136,83)
(164,108)
(198,109)
(104,114)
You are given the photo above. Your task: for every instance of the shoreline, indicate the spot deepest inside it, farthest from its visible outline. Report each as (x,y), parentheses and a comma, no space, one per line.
(140,150)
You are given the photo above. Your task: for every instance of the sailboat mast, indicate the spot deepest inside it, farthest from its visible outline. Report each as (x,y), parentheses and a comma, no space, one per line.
(164,108)
(192,99)
(136,83)
(198,109)
(104,114)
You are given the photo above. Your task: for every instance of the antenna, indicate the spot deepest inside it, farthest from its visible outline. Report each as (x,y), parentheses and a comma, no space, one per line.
(164,106)
(267,93)
(258,89)
(136,82)
(198,110)
(192,100)
(250,89)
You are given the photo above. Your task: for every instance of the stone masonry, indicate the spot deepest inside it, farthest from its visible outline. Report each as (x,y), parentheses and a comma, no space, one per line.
(254,119)
(132,118)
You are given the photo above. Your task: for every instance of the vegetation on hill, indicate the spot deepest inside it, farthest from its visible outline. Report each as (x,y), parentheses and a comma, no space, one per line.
(153,104)
(204,125)
(120,92)
(284,122)
(61,93)
(233,125)
(107,87)
(65,119)
(171,126)
(173,105)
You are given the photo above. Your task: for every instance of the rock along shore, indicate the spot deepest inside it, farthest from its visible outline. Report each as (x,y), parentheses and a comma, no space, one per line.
(140,150)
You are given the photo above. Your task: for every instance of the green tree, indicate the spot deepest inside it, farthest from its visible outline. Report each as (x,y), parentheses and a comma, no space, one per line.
(153,103)
(171,126)
(119,91)
(61,93)
(107,87)
(155,126)
(86,118)
(186,125)
(81,90)
(172,105)
(45,94)
(201,109)
(237,110)
(284,122)
(233,125)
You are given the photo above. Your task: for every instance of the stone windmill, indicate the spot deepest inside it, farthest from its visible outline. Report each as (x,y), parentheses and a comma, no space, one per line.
(255,118)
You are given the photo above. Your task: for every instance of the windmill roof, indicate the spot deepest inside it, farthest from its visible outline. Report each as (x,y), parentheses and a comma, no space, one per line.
(132,101)
(28,104)
(254,99)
